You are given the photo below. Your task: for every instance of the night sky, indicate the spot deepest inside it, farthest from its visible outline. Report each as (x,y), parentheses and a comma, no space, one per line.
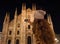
(52,7)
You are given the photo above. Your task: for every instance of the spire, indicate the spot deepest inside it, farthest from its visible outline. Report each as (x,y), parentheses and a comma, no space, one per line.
(24,6)
(49,18)
(6,22)
(33,6)
(16,12)
(6,18)
(15,16)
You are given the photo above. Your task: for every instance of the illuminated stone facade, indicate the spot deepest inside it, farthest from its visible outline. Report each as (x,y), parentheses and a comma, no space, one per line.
(19,30)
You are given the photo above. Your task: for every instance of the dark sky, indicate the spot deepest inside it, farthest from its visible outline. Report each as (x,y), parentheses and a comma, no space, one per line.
(52,7)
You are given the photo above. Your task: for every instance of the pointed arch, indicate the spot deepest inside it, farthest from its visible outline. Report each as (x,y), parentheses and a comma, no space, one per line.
(17,41)
(29,40)
(9,41)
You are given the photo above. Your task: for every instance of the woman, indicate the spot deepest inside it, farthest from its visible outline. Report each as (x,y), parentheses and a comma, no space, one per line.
(41,29)
(43,32)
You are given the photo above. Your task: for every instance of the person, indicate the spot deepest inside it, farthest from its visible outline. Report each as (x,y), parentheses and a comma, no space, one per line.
(43,32)
(41,29)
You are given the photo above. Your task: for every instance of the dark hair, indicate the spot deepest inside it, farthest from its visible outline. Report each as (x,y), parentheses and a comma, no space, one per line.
(43,32)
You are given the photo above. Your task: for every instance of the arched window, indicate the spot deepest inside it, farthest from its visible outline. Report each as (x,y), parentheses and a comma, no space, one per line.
(10,32)
(29,40)
(17,41)
(28,26)
(17,32)
(9,41)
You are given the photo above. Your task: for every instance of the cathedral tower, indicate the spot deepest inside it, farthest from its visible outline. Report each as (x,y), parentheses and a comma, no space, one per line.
(14,27)
(5,28)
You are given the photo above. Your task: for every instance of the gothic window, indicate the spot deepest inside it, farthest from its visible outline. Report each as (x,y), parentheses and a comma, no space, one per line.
(10,32)
(9,41)
(17,41)
(29,40)
(17,32)
(28,26)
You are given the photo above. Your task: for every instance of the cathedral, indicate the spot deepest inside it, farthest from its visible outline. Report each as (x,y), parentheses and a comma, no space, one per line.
(19,30)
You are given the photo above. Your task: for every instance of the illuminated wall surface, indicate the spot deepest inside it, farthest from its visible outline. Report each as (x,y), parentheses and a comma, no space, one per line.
(20,29)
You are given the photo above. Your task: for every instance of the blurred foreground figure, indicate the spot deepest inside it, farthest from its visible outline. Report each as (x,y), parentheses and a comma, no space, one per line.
(43,32)
(41,29)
